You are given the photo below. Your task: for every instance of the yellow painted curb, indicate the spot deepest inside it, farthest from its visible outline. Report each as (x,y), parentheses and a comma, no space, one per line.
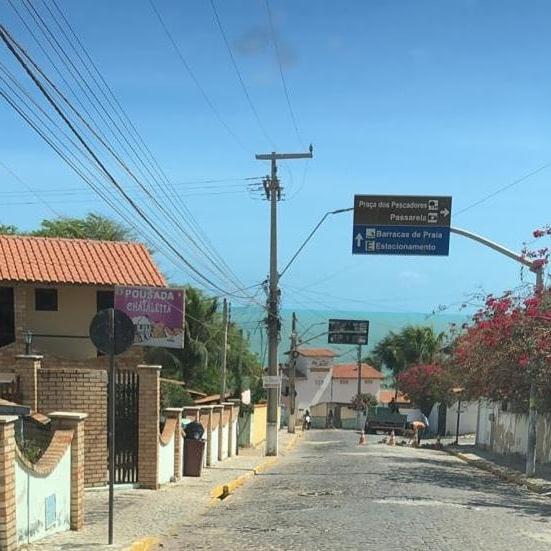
(144,544)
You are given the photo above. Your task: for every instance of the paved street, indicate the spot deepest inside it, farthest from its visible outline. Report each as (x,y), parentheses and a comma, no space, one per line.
(331,494)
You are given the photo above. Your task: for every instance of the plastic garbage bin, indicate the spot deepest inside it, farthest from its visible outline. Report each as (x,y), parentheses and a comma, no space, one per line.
(193,456)
(194,430)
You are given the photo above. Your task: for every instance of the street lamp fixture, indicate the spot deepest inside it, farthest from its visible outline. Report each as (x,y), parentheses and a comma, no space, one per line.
(28,342)
(458,391)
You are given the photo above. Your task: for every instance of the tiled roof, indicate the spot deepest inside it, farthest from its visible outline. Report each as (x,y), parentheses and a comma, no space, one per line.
(350,371)
(317,352)
(385,396)
(76,261)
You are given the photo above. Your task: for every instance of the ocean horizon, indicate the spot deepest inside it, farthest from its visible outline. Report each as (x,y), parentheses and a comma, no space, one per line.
(312,327)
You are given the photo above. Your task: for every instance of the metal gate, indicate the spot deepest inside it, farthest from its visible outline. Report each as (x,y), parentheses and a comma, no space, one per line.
(126,426)
(9,390)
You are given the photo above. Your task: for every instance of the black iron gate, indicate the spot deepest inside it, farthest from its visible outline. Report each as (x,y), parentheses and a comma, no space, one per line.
(126,426)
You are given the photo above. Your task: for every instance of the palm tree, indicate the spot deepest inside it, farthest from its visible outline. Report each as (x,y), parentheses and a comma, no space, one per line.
(415,344)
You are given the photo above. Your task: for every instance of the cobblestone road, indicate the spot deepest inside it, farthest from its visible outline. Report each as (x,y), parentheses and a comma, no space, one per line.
(331,494)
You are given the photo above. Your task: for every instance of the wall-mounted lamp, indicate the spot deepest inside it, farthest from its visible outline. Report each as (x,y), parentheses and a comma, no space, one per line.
(28,342)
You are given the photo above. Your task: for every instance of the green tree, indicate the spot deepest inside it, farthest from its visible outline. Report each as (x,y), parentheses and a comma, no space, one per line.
(415,344)
(362,402)
(7,229)
(92,226)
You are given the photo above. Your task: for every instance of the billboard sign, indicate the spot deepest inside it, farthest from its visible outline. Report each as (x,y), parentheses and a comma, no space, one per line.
(348,331)
(157,314)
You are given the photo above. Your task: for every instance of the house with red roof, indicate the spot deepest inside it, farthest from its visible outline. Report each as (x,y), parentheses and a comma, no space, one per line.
(345,382)
(51,288)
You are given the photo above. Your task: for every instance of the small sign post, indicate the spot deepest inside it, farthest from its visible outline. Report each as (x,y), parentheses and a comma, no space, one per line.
(348,331)
(112,332)
(401,225)
(271,381)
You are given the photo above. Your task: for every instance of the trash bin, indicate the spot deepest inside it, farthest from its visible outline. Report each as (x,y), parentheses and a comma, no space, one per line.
(194,430)
(193,456)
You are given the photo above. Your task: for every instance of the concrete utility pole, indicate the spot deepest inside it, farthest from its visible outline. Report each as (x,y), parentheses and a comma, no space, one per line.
(292,372)
(532,411)
(273,194)
(359,413)
(225,321)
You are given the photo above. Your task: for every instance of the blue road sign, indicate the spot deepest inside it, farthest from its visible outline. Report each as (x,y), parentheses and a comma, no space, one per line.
(401,225)
(402,240)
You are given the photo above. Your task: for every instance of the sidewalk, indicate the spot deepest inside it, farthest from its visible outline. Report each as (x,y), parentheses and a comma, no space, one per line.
(148,515)
(510,467)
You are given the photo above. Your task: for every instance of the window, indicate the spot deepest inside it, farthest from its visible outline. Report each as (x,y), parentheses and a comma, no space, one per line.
(105,299)
(45,300)
(343,381)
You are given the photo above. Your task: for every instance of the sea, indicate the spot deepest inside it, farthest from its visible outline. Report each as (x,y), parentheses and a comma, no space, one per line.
(313,325)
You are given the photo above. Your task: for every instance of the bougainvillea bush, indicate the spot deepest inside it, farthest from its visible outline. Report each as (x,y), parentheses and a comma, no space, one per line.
(425,385)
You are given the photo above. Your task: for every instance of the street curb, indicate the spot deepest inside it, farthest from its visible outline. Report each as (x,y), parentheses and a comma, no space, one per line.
(509,475)
(144,544)
(223,490)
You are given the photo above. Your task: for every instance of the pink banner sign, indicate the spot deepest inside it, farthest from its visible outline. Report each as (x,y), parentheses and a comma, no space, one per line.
(157,313)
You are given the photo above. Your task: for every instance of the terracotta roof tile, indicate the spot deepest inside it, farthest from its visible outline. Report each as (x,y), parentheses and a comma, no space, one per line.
(317,352)
(76,261)
(385,396)
(350,371)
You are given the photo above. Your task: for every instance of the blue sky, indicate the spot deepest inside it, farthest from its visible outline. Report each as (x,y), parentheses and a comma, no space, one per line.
(398,97)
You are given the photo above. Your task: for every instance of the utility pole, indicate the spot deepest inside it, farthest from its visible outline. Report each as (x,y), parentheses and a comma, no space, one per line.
(532,411)
(273,194)
(224,353)
(359,412)
(292,373)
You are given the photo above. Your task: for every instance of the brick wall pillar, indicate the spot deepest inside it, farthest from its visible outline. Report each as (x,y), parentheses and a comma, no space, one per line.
(148,426)
(176,413)
(20,311)
(26,368)
(74,421)
(8,528)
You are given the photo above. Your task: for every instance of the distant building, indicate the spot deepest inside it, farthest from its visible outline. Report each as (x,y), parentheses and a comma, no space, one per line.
(345,381)
(319,380)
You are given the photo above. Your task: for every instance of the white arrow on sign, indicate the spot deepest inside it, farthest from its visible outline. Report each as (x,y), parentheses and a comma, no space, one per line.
(359,239)
(444,212)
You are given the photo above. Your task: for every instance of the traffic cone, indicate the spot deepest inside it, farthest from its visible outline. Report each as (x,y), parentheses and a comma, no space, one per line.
(362,438)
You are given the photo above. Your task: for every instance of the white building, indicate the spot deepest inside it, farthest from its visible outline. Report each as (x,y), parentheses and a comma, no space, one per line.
(345,382)
(318,379)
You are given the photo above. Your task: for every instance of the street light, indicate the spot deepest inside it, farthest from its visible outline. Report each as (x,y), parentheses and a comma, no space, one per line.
(28,342)
(458,392)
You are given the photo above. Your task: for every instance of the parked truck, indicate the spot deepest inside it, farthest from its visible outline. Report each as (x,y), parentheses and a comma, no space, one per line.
(385,420)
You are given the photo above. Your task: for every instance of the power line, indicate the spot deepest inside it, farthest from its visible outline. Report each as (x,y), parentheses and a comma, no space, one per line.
(504,188)
(127,123)
(200,249)
(195,80)
(282,74)
(14,50)
(239,76)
